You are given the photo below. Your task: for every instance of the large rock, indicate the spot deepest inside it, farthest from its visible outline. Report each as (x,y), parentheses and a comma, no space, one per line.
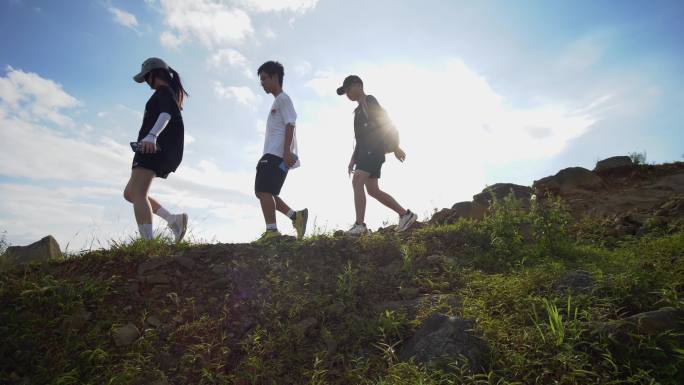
(568,181)
(575,282)
(502,190)
(613,163)
(468,210)
(41,251)
(649,323)
(440,337)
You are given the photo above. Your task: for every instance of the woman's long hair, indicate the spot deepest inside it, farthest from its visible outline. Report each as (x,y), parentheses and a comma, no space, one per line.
(174,81)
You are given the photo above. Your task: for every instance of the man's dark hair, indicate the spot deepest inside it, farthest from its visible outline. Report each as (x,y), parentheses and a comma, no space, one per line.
(271,68)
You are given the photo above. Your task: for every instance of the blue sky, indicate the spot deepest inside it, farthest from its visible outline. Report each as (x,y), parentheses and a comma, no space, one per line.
(482,92)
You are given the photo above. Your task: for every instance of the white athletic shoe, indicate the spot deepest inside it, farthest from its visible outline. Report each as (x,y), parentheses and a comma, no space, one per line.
(357,230)
(406,220)
(179,225)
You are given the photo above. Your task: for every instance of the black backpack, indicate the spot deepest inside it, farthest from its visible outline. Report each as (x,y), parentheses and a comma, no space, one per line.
(387,131)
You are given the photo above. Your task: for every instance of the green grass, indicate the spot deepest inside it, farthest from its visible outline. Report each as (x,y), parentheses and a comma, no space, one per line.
(247,328)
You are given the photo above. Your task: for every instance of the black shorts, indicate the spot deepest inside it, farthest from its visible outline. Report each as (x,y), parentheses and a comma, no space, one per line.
(159,163)
(269,176)
(370,162)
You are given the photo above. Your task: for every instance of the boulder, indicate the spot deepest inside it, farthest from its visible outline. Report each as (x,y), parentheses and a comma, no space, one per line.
(440,337)
(574,282)
(41,251)
(568,181)
(650,323)
(613,163)
(468,210)
(502,190)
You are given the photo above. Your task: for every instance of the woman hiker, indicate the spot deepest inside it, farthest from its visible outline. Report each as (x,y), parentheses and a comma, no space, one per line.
(159,148)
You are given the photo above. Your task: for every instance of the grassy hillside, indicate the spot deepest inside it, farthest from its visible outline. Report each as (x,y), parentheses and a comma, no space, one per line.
(338,310)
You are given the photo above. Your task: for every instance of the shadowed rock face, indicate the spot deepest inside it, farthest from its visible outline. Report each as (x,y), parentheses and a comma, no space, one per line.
(615,189)
(613,163)
(441,337)
(568,181)
(43,250)
(502,190)
(468,210)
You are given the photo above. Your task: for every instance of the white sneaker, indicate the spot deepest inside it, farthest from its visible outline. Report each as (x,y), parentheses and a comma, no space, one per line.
(179,225)
(357,229)
(406,220)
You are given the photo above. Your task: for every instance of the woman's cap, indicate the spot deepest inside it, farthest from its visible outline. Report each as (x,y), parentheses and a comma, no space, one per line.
(348,81)
(149,65)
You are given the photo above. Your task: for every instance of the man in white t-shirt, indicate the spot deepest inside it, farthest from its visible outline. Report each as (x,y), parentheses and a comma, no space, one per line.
(280,153)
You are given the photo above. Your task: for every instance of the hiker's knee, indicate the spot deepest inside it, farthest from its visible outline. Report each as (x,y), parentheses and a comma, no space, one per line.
(263,195)
(373,191)
(127,195)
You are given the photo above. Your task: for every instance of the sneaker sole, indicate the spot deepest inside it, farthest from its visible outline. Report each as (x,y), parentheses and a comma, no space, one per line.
(409,223)
(185,227)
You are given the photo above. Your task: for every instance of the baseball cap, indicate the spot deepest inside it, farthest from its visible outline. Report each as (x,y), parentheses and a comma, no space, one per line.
(149,65)
(348,81)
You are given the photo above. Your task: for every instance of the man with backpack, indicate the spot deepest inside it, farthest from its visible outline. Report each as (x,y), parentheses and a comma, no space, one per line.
(375,136)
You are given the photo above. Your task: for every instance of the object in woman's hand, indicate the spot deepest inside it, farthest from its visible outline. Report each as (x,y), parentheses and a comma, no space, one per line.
(136,147)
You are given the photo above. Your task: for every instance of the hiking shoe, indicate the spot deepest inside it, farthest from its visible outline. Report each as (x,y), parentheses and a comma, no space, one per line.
(406,220)
(269,234)
(299,222)
(357,230)
(178,226)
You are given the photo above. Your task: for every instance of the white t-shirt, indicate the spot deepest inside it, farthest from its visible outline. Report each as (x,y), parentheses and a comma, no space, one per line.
(282,113)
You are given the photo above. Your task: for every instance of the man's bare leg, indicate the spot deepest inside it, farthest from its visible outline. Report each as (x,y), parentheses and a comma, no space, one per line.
(358,183)
(383,197)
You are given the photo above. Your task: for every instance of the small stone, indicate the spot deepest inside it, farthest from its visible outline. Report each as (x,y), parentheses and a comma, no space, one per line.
(436,259)
(153,321)
(126,335)
(185,262)
(128,308)
(335,309)
(77,320)
(152,264)
(178,319)
(393,268)
(220,269)
(158,279)
(220,283)
(409,292)
(303,326)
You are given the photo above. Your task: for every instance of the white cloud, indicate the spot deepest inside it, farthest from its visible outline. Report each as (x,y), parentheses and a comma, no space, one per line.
(243,94)
(170,40)
(585,52)
(303,68)
(228,57)
(211,22)
(297,6)
(32,97)
(124,18)
(269,33)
